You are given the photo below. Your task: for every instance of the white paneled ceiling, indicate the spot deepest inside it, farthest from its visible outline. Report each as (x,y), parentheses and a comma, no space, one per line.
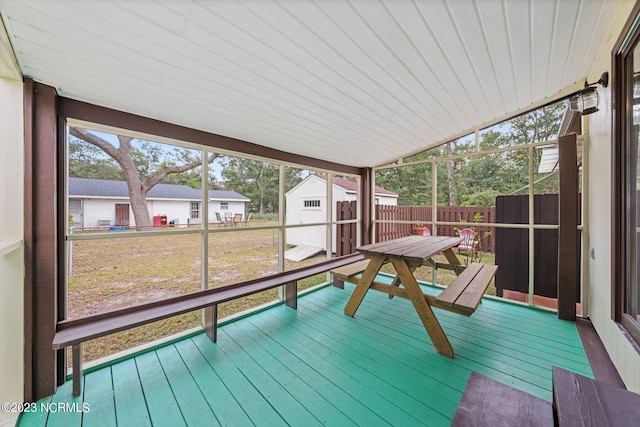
(358,82)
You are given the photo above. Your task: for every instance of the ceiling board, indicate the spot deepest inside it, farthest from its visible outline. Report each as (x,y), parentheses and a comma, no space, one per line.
(361,82)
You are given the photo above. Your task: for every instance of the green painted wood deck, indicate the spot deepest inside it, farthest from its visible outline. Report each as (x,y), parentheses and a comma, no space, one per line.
(316,366)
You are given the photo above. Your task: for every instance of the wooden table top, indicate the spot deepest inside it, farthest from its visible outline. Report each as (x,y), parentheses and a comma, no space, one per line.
(415,248)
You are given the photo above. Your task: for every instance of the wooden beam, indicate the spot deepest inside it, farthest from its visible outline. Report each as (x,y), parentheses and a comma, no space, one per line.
(41,279)
(568,249)
(365,208)
(210,323)
(291,294)
(71,108)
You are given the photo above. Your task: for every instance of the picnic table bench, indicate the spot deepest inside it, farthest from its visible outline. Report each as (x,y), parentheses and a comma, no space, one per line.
(74,332)
(462,296)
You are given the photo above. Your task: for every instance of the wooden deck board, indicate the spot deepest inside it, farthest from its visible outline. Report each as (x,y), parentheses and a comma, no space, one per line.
(316,365)
(289,371)
(162,404)
(220,399)
(193,405)
(99,391)
(131,408)
(250,399)
(343,373)
(285,403)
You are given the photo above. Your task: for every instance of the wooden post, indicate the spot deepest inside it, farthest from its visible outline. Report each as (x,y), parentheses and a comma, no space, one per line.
(211,322)
(568,232)
(44,368)
(291,294)
(76,360)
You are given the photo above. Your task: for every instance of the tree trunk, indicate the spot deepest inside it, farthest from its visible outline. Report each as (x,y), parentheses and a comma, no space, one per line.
(450,181)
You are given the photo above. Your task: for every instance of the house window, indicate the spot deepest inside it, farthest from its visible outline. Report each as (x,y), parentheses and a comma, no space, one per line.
(224,206)
(195,210)
(626,233)
(312,203)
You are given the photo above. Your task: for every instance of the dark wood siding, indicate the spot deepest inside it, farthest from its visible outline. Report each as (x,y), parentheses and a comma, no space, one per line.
(512,245)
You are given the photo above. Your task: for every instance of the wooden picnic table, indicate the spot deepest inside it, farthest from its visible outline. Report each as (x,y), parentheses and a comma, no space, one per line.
(406,255)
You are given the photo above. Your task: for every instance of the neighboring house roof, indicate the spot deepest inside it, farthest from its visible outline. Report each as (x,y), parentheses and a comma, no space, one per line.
(351,185)
(88,187)
(346,184)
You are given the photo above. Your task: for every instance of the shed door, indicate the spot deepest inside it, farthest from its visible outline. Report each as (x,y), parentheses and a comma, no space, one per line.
(122,214)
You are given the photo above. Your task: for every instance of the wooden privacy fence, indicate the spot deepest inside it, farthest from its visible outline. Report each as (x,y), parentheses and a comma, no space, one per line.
(512,245)
(413,214)
(465,214)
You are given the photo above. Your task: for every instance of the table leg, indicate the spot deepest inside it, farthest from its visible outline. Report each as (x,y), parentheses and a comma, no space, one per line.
(453,259)
(368,276)
(396,280)
(422,307)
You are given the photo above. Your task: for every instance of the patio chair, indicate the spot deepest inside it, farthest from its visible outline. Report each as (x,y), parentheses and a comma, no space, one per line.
(220,221)
(236,219)
(468,243)
(246,219)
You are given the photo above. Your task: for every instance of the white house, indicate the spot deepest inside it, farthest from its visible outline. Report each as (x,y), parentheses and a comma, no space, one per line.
(306,203)
(99,202)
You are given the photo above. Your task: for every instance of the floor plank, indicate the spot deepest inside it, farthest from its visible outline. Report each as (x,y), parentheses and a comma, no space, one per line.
(161,403)
(253,401)
(194,407)
(220,399)
(98,393)
(131,408)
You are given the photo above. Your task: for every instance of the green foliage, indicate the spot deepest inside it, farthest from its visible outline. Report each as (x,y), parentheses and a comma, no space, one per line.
(476,180)
(259,181)
(88,161)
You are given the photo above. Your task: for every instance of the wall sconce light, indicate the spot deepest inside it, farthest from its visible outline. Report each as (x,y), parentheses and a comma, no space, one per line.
(588,97)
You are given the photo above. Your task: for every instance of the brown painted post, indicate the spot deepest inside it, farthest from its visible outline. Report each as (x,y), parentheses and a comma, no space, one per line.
(291,294)
(367,197)
(568,231)
(40,240)
(211,322)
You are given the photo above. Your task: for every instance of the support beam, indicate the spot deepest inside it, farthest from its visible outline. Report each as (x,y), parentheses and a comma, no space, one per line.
(367,201)
(41,271)
(76,355)
(291,294)
(568,248)
(211,322)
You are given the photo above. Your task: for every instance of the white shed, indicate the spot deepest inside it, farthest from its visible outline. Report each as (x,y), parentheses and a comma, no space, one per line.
(306,203)
(105,203)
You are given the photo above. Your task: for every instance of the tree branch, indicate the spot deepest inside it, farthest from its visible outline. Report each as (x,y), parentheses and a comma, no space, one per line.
(166,170)
(106,146)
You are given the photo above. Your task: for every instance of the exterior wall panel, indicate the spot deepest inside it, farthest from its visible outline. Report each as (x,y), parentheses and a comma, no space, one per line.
(622,353)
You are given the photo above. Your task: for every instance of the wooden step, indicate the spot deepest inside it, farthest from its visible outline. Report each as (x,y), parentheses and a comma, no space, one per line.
(489,403)
(579,401)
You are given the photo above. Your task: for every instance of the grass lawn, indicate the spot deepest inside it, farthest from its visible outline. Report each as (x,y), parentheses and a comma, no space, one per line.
(120,272)
(114,273)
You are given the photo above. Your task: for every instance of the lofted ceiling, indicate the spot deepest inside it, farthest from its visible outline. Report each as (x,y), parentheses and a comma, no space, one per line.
(359,82)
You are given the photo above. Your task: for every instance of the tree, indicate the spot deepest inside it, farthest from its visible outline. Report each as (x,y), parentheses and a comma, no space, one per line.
(450,147)
(258,180)
(89,161)
(142,168)
(476,180)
